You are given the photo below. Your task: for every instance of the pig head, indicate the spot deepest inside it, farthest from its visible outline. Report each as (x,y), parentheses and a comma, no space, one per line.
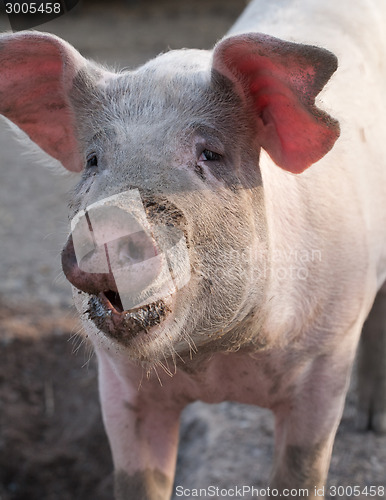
(186,201)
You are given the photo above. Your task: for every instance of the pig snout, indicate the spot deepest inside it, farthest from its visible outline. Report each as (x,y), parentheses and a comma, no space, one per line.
(127,254)
(84,281)
(117,275)
(112,250)
(127,266)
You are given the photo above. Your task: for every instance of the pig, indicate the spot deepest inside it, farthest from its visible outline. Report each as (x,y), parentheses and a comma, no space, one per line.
(228,228)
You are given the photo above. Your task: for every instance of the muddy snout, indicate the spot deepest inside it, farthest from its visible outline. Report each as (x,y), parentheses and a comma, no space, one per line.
(114,251)
(133,255)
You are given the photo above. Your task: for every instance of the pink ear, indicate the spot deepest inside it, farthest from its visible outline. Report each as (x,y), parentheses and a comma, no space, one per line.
(36,75)
(280,80)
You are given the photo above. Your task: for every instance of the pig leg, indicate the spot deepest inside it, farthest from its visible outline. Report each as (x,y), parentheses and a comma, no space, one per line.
(372,369)
(143,432)
(306,423)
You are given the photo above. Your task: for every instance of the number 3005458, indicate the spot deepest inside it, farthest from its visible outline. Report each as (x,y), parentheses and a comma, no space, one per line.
(33,8)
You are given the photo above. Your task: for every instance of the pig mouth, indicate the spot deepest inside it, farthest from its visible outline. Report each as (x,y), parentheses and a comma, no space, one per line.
(107,313)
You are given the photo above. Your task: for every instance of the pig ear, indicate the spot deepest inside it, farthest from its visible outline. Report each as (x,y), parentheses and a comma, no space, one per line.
(36,75)
(280,81)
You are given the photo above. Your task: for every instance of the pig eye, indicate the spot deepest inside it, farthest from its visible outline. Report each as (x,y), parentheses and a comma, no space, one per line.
(92,160)
(208,155)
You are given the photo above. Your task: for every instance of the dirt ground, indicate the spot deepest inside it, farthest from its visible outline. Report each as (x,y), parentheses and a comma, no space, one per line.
(52,442)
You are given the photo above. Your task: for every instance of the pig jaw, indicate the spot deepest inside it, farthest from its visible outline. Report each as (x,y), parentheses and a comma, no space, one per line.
(123,326)
(145,346)
(170,343)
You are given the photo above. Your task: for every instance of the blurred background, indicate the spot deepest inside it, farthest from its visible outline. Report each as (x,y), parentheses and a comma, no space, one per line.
(52,442)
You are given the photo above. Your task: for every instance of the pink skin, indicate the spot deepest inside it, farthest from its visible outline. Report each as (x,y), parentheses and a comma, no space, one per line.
(141,416)
(40,106)
(294,132)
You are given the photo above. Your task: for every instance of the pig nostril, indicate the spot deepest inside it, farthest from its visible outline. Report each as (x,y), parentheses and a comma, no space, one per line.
(134,251)
(136,248)
(114,299)
(89,281)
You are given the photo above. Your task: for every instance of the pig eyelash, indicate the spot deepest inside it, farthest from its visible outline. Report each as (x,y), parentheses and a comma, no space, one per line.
(206,156)
(210,156)
(92,160)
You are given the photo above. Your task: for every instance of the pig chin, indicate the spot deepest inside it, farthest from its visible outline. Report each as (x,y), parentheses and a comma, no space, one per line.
(106,312)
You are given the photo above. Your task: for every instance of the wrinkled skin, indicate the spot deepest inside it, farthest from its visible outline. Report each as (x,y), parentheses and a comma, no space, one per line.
(284,257)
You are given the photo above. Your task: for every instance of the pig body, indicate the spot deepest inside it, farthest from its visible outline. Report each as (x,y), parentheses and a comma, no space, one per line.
(283,233)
